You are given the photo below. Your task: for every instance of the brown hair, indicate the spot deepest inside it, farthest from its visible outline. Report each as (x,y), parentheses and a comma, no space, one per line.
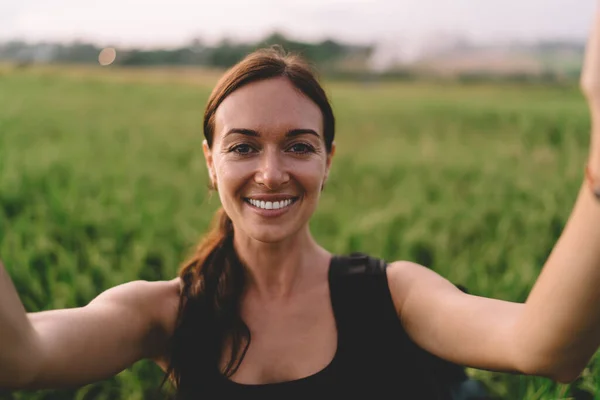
(213,278)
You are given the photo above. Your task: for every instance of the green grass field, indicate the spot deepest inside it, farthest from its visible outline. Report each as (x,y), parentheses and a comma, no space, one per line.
(102,181)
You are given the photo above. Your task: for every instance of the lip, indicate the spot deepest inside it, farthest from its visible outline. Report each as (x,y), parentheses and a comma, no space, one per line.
(271,197)
(271,213)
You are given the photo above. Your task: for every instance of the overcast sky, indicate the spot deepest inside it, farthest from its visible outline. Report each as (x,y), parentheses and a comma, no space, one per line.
(174,22)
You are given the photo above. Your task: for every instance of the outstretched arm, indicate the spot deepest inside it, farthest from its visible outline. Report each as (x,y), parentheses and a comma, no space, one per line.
(16,336)
(562,314)
(77,346)
(557,330)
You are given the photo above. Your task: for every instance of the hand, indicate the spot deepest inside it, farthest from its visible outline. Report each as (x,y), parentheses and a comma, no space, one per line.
(590,73)
(590,86)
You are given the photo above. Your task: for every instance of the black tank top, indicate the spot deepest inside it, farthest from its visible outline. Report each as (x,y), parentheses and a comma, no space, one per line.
(374,357)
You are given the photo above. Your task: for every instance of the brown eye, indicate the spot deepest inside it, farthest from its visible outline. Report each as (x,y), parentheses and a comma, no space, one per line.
(301,148)
(242,149)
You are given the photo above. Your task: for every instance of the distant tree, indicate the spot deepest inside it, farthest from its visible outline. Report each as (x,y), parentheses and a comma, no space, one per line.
(227,53)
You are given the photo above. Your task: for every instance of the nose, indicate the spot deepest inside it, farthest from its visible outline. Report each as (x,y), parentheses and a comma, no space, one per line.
(272,172)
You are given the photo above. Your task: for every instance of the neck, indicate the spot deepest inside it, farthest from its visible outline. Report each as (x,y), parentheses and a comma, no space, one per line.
(278,270)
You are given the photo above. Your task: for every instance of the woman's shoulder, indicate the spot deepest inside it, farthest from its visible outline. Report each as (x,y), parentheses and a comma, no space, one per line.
(166,296)
(408,279)
(159,302)
(141,293)
(404,275)
(406,271)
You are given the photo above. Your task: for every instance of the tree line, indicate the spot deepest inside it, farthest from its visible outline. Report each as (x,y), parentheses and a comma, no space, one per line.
(327,53)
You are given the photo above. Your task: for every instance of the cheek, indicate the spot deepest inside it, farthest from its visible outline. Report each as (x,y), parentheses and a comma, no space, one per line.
(310,176)
(232,174)
(231,177)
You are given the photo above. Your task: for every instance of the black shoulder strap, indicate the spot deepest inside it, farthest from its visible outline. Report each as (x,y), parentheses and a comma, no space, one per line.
(360,298)
(358,264)
(359,291)
(366,314)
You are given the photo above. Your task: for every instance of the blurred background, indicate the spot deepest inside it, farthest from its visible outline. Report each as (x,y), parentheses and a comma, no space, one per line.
(462,137)
(409,38)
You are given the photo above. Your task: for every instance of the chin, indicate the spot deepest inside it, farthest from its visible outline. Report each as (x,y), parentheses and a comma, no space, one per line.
(269,236)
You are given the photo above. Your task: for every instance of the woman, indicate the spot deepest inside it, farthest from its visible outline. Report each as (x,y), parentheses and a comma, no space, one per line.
(262,308)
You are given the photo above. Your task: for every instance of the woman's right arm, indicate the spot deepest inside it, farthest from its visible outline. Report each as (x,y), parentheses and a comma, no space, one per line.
(77,346)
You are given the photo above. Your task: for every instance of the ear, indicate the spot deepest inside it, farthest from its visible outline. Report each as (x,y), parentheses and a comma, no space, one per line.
(209,162)
(329,159)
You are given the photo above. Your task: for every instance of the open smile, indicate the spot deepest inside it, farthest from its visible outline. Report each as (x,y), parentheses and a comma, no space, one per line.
(271,208)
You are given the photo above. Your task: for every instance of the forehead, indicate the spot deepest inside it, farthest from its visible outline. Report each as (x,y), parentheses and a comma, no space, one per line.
(269,106)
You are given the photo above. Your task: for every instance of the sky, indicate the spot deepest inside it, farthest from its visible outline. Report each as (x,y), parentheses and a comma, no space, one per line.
(153,23)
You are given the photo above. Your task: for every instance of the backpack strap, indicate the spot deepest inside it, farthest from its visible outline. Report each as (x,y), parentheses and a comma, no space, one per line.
(360,296)
(368,323)
(370,334)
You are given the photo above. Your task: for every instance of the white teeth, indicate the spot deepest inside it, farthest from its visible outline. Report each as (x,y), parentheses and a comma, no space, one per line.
(270,205)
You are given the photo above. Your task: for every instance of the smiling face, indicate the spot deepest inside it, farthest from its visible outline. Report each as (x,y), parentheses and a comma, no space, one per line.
(268,159)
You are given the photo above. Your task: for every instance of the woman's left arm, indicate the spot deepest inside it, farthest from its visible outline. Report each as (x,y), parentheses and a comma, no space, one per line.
(557,330)
(561,317)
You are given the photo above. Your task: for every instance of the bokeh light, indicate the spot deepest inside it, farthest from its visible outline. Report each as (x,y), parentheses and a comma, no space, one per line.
(107,56)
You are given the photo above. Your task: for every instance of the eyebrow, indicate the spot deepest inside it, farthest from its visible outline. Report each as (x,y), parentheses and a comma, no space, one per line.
(290,133)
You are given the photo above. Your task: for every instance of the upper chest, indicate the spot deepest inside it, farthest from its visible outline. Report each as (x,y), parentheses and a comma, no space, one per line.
(288,341)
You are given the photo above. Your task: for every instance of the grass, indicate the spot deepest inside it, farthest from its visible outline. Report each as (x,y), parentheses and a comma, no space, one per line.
(102,181)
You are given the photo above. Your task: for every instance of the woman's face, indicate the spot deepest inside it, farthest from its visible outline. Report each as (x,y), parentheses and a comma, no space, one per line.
(268,159)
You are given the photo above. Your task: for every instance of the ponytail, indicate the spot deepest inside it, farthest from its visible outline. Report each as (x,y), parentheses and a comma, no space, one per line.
(212,285)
